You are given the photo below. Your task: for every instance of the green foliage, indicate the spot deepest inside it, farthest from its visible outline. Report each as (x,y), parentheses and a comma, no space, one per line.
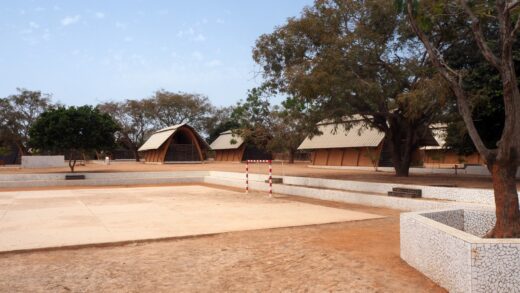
(288,130)
(271,128)
(253,116)
(220,121)
(73,130)
(343,58)
(4,151)
(220,127)
(481,81)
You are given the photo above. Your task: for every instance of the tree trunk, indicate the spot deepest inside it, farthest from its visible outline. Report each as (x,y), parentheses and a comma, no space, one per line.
(72,164)
(84,158)
(131,146)
(291,156)
(506,201)
(402,169)
(136,154)
(72,161)
(400,138)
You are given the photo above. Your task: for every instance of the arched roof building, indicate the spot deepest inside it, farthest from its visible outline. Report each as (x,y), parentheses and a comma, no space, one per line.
(178,143)
(231,147)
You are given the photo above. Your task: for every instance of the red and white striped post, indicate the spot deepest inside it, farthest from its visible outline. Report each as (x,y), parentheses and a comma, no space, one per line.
(247,176)
(270,174)
(270,179)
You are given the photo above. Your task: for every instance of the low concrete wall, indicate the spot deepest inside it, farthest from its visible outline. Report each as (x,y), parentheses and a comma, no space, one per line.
(43,161)
(93,179)
(342,190)
(469,170)
(306,187)
(473,195)
(256,182)
(447,247)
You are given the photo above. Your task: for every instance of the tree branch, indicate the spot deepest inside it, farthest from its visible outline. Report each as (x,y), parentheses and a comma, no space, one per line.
(479,36)
(515,29)
(454,79)
(512,5)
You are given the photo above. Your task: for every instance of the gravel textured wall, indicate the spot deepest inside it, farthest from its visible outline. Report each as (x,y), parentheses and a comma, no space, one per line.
(433,243)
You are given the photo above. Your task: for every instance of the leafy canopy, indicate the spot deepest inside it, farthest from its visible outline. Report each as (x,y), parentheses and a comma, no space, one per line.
(349,57)
(73,129)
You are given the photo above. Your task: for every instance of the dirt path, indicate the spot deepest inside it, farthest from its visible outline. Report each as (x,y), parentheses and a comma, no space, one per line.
(299,169)
(355,257)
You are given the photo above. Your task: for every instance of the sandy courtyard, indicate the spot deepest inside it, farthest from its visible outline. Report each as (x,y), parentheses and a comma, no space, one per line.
(355,256)
(55,218)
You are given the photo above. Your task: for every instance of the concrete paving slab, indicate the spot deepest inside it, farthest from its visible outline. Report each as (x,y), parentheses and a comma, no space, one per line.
(56,218)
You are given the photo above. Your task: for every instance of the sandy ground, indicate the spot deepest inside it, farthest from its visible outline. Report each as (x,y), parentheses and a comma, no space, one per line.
(298,169)
(57,218)
(361,256)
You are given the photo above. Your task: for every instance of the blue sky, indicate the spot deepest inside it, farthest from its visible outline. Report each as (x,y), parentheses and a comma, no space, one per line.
(86,52)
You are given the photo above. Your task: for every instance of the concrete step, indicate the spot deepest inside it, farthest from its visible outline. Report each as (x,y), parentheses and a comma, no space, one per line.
(98,182)
(405,192)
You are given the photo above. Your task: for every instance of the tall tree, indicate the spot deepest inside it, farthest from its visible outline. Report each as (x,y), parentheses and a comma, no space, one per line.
(501,18)
(134,125)
(73,130)
(220,121)
(270,128)
(18,113)
(253,116)
(482,82)
(288,128)
(346,57)
(167,108)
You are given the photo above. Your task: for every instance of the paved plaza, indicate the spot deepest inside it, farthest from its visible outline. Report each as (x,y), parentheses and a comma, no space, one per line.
(56,218)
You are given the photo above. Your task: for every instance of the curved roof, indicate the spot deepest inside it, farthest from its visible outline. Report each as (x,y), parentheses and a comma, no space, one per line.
(224,141)
(161,136)
(336,136)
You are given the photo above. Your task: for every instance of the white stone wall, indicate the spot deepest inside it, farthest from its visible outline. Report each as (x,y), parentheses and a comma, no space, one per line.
(336,190)
(43,161)
(470,195)
(256,182)
(452,218)
(478,223)
(456,260)
(473,195)
(496,267)
(469,170)
(462,195)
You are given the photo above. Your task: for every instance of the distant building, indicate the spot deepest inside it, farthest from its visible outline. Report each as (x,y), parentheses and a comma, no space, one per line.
(441,155)
(178,143)
(357,146)
(229,147)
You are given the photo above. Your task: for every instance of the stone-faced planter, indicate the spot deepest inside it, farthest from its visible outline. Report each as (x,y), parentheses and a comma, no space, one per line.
(447,246)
